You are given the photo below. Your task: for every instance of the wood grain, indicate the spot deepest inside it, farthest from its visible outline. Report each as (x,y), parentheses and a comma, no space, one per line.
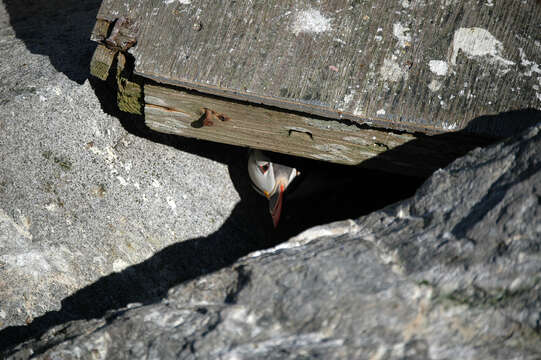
(101,62)
(407,65)
(129,87)
(195,115)
(183,113)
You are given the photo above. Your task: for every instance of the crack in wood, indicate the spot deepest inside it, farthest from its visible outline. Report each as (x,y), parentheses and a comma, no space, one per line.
(163,108)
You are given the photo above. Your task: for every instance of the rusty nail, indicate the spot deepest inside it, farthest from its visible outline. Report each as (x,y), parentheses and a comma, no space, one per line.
(207,121)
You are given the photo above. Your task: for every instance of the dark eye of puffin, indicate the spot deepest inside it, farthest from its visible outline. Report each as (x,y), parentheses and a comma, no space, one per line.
(264,168)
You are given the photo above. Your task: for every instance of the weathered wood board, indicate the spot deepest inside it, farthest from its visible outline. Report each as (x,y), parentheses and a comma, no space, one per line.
(212,118)
(191,114)
(415,65)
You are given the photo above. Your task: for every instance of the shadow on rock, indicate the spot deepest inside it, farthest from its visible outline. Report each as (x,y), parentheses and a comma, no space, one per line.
(323,194)
(326,193)
(59,29)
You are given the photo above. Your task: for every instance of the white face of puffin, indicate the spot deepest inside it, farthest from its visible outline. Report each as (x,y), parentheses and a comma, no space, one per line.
(261,172)
(270,180)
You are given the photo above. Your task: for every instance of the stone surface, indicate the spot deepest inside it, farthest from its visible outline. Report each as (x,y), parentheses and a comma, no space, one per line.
(451,273)
(80,195)
(97,211)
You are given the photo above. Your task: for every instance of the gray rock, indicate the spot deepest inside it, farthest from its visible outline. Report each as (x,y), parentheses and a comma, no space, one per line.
(452,273)
(80,196)
(96,214)
(97,211)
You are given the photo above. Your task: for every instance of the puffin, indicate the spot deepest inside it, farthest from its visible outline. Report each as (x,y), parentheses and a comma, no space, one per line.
(271,180)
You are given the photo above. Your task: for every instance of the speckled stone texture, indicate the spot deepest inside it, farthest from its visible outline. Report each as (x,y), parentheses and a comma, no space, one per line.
(451,273)
(80,196)
(98,212)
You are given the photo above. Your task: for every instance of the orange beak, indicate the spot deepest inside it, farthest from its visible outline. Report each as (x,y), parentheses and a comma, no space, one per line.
(275,205)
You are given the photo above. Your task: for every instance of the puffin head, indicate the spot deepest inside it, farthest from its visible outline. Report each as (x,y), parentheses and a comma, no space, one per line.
(270,180)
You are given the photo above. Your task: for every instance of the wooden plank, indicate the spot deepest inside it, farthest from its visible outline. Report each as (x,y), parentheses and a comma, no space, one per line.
(100,30)
(101,62)
(190,114)
(129,88)
(183,112)
(408,65)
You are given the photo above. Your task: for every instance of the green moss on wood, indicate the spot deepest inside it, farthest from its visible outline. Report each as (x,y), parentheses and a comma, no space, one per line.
(101,62)
(129,88)
(99,70)
(129,96)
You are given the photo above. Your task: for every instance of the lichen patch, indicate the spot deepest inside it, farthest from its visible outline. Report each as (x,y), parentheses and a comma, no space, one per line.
(348,98)
(391,70)
(438,67)
(401,33)
(531,66)
(405,4)
(478,43)
(184,2)
(449,126)
(434,85)
(310,21)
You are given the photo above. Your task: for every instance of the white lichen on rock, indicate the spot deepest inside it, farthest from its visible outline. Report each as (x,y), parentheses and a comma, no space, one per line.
(478,43)
(405,4)
(533,66)
(310,21)
(184,2)
(434,85)
(401,33)
(348,98)
(391,70)
(449,126)
(438,67)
